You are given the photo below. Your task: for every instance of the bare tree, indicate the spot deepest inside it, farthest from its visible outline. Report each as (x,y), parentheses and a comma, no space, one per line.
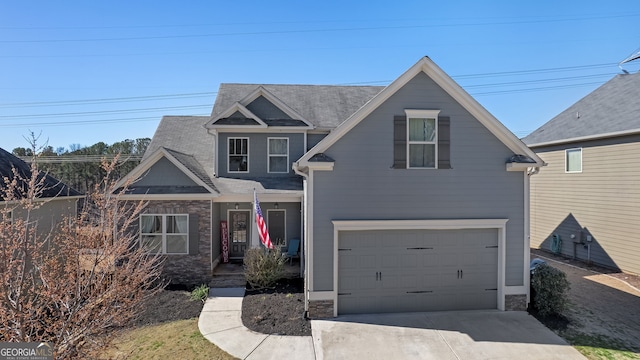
(75,285)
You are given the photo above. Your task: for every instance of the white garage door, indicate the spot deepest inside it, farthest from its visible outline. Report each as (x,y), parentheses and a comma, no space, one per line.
(417,270)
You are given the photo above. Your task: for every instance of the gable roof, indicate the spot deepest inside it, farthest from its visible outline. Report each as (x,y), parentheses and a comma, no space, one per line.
(432,70)
(187,135)
(323,106)
(613,109)
(184,162)
(52,187)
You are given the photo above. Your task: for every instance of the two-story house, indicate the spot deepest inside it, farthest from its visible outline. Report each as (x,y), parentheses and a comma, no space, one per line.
(409,197)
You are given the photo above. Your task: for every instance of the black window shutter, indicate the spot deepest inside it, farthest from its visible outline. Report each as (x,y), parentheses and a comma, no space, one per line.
(399,142)
(194,234)
(444,142)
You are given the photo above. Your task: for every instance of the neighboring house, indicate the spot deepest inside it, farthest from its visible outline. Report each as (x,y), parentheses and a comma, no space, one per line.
(55,200)
(589,194)
(410,197)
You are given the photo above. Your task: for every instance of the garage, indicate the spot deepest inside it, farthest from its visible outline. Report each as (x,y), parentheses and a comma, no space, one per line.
(407,270)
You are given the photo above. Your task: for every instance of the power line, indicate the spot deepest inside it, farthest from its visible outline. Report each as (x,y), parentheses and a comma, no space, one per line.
(103,112)
(279,32)
(108,100)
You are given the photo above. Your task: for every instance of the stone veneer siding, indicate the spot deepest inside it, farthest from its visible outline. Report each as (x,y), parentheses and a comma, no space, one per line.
(515,302)
(188,269)
(320,309)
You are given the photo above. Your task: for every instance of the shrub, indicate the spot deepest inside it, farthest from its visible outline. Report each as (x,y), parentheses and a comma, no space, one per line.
(200,293)
(550,286)
(263,267)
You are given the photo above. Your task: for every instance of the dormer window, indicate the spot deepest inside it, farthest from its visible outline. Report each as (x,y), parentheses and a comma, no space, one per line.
(238,155)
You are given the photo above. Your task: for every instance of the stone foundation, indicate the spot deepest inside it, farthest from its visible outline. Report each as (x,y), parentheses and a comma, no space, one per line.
(515,302)
(320,309)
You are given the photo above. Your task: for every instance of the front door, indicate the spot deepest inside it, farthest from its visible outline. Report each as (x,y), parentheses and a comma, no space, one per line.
(276,226)
(239,231)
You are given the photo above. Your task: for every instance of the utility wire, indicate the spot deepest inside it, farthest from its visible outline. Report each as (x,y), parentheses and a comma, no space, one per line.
(103,112)
(279,32)
(108,100)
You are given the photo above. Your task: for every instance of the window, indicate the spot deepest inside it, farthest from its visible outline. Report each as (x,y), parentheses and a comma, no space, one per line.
(573,160)
(238,154)
(278,154)
(422,135)
(165,234)
(7,216)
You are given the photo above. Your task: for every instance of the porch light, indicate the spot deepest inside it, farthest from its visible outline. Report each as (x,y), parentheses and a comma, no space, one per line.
(237,206)
(276,205)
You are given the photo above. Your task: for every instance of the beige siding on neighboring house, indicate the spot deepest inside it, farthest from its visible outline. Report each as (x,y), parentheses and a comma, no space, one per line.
(602,201)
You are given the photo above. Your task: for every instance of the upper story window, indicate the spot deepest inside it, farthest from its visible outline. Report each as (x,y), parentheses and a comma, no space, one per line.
(573,160)
(278,154)
(422,135)
(238,154)
(165,234)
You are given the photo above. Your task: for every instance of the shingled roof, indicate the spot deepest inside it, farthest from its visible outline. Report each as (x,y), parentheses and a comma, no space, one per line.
(325,106)
(52,187)
(187,135)
(611,109)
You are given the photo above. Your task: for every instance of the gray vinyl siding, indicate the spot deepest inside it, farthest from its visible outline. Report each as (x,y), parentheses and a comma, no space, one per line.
(363,186)
(258,153)
(49,214)
(264,109)
(164,173)
(314,139)
(601,201)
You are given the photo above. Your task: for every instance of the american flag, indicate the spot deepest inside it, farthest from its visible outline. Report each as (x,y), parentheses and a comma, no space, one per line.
(262,226)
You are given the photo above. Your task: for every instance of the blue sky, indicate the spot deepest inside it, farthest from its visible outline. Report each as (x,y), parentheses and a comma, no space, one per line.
(79,72)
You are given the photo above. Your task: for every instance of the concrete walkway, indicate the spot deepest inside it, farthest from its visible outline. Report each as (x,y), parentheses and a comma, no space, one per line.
(490,334)
(220,322)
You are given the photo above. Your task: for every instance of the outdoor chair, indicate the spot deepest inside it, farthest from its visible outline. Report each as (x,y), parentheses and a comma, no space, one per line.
(292,250)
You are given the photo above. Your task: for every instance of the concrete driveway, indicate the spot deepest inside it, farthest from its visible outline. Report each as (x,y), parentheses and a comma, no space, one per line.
(438,335)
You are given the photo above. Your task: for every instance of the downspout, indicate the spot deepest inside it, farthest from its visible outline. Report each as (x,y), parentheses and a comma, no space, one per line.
(304,224)
(527,227)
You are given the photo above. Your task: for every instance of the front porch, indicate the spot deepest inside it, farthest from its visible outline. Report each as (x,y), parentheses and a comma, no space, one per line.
(231,274)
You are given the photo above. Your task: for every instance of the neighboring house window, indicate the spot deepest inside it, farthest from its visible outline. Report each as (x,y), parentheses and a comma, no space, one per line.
(165,234)
(573,160)
(7,216)
(278,154)
(238,154)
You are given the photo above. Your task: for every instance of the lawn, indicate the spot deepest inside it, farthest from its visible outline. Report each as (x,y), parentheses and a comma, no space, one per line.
(179,339)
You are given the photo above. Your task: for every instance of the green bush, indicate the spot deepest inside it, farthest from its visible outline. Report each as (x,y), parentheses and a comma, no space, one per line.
(200,293)
(263,267)
(550,286)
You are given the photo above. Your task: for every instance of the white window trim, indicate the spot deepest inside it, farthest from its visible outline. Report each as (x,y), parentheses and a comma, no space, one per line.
(566,162)
(229,155)
(269,211)
(269,155)
(164,233)
(422,114)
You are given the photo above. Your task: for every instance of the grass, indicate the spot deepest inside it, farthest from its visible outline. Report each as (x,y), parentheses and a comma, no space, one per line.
(600,347)
(179,339)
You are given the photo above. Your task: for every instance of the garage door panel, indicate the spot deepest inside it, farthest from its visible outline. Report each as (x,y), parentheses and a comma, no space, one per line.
(418,270)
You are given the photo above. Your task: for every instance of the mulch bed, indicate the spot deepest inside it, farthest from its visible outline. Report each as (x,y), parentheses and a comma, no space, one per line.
(278,310)
(172,303)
